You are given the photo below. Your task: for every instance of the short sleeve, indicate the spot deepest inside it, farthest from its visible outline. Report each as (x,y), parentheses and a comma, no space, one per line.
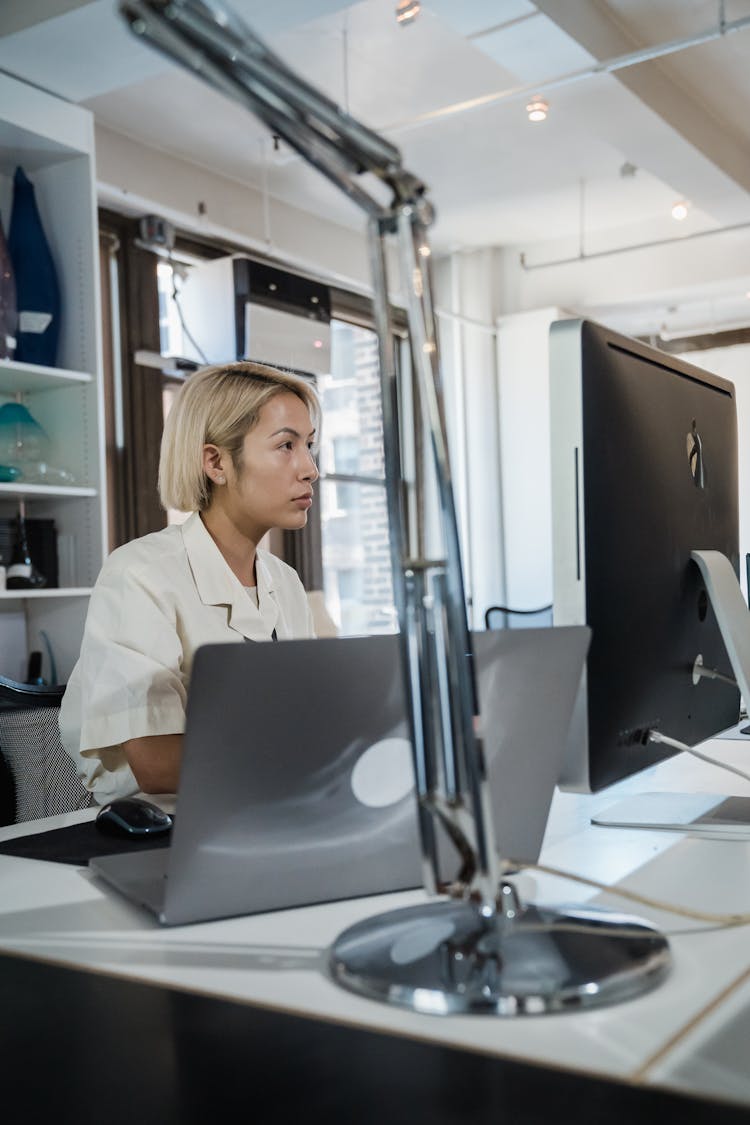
(128,682)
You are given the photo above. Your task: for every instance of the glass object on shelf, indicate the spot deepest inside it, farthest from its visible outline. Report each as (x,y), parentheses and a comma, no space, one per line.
(37,286)
(8,306)
(24,447)
(9,473)
(22,574)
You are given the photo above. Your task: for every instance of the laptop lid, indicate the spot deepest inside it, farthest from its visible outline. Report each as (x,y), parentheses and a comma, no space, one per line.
(297,783)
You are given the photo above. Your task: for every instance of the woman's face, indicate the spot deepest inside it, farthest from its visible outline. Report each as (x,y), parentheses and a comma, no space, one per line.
(273,487)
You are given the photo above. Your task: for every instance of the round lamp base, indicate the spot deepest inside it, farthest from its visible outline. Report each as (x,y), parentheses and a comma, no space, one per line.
(446,958)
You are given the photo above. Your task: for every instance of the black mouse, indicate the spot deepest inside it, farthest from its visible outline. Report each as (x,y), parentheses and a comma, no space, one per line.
(132,816)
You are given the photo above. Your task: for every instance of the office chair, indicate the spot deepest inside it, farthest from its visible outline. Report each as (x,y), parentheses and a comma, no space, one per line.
(37,777)
(503,617)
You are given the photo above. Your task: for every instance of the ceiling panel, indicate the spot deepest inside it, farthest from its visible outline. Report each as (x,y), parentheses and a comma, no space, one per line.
(494,177)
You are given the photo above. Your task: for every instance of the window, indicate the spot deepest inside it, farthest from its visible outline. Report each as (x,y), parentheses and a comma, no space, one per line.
(354,511)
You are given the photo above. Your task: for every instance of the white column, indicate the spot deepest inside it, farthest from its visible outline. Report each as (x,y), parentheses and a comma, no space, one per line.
(465,291)
(524,424)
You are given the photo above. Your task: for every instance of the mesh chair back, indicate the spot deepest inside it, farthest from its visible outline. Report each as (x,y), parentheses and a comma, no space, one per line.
(503,617)
(42,776)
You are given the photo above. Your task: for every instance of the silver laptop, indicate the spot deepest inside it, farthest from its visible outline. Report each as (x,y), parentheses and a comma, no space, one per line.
(297,784)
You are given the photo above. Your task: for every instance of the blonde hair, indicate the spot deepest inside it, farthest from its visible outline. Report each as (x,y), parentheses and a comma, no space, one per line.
(217,406)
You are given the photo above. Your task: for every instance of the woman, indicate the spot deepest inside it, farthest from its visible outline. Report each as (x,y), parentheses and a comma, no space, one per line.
(237,452)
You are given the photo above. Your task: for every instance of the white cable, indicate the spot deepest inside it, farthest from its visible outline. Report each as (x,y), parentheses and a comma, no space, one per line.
(178,306)
(704,673)
(721,920)
(657,736)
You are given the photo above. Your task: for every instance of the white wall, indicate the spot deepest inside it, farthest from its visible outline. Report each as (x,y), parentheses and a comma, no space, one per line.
(13,646)
(524,519)
(139,179)
(465,287)
(642,275)
(523,405)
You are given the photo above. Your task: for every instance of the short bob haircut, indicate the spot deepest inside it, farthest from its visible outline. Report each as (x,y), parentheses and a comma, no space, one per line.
(217,406)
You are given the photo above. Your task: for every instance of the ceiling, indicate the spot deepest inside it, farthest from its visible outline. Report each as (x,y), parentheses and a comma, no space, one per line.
(616,151)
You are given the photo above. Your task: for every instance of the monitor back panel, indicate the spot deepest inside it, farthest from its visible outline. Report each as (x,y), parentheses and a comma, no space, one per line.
(627,512)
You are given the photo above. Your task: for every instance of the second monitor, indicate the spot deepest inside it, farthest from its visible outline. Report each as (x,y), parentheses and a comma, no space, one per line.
(644,471)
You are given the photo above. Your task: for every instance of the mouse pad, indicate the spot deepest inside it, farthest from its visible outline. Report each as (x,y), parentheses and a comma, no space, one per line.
(77,844)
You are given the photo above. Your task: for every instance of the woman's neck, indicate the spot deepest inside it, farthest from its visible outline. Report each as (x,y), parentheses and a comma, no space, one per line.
(237,546)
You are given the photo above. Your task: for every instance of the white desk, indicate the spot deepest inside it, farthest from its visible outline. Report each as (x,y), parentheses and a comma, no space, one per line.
(60,913)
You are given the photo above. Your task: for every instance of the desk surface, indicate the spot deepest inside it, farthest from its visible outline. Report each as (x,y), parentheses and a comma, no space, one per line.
(677,1036)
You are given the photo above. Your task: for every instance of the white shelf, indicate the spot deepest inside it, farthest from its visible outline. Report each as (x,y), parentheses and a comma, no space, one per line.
(54,142)
(40,491)
(55,592)
(26,377)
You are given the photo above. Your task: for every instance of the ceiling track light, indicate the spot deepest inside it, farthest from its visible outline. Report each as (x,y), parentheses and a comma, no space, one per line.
(407,11)
(537,108)
(680,210)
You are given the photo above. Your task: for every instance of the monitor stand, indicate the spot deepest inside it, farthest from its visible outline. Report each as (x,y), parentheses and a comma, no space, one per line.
(702,814)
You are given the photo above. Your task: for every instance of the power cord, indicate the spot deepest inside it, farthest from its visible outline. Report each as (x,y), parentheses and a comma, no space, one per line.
(180,314)
(717,921)
(657,736)
(701,672)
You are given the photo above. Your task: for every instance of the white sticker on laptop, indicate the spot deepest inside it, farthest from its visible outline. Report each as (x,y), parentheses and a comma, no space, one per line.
(384,773)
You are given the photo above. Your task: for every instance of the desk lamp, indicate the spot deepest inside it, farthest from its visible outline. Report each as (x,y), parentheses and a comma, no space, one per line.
(476,948)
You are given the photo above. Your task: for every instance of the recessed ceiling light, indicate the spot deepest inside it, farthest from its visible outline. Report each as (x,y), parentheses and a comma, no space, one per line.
(407,11)
(537,108)
(680,210)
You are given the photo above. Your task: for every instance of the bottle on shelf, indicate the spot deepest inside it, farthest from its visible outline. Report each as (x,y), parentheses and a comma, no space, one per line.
(22,574)
(8,307)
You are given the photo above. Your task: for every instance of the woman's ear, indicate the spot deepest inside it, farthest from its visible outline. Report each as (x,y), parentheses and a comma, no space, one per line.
(214,464)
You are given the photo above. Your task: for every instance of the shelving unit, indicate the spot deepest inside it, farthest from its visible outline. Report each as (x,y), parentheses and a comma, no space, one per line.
(54,142)
(34,595)
(45,491)
(34,377)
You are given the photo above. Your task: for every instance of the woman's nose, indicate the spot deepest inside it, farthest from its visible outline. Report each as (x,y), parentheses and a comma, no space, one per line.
(310,469)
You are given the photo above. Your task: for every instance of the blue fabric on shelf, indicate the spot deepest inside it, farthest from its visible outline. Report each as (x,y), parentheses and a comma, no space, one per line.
(8,306)
(37,287)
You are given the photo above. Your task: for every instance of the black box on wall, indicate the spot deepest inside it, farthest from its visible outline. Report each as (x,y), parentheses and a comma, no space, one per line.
(42,540)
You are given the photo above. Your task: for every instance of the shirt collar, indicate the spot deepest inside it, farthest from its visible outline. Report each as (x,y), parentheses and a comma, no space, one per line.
(217,585)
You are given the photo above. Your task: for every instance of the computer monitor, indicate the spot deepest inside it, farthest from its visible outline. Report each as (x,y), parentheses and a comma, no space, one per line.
(644,470)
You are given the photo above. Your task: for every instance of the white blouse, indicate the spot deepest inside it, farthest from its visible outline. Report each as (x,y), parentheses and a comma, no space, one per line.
(155,602)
